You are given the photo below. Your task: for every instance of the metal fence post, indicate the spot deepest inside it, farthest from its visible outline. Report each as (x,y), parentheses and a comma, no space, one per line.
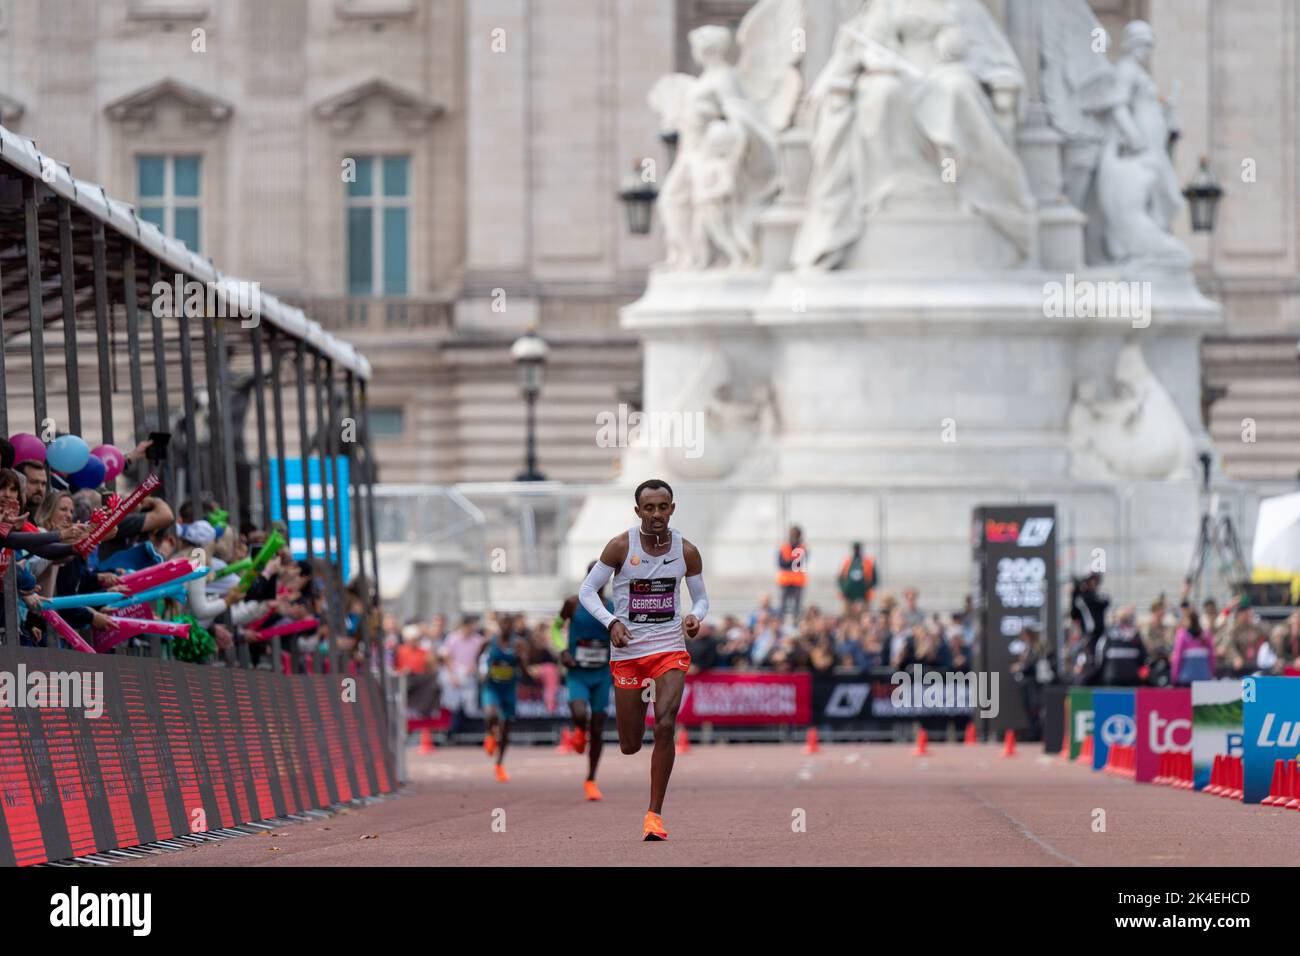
(193,461)
(35,301)
(68,287)
(138,424)
(102,343)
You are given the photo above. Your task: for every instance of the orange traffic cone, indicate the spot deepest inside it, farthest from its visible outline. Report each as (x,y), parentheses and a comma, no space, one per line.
(683,741)
(1009,744)
(1278,784)
(971,740)
(1162,774)
(922,743)
(1086,753)
(812,744)
(566,742)
(426,741)
(1188,781)
(1293,787)
(1216,776)
(1235,773)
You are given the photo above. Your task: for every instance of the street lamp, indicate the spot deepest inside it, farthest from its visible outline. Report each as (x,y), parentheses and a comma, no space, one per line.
(529,352)
(638,198)
(1203,194)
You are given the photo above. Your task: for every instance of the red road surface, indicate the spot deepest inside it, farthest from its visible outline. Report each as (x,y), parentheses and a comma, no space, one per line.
(737,804)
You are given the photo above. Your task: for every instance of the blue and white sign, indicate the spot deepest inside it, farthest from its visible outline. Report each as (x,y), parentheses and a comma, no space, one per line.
(297,520)
(1113,722)
(1271,723)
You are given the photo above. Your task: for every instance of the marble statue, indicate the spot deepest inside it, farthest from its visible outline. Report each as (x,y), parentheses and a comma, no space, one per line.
(1117,130)
(1138,434)
(902,92)
(1137,188)
(726,120)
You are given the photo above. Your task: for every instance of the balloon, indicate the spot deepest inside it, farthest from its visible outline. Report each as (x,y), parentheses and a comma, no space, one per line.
(90,475)
(67,454)
(114,461)
(27,447)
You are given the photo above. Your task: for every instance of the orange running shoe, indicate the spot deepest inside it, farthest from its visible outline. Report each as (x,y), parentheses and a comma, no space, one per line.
(490,745)
(501,773)
(653,827)
(591,790)
(579,740)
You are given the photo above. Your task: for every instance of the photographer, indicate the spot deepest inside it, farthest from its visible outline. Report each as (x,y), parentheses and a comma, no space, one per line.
(1088,604)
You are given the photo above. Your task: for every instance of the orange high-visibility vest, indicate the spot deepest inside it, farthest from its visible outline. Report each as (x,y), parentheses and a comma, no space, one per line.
(788,577)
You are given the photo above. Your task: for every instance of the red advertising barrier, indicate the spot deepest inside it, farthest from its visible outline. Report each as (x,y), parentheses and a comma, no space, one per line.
(723,698)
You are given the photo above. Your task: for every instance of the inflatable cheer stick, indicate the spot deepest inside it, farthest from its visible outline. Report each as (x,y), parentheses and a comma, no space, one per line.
(93,599)
(156,576)
(263,557)
(111,518)
(125,628)
(281,630)
(65,631)
(172,589)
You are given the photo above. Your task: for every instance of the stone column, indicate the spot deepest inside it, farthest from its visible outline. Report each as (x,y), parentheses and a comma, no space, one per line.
(1060,225)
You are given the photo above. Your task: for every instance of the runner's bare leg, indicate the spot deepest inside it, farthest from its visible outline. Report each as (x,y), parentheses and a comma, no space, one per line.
(668,698)
(595,742)
(629,711)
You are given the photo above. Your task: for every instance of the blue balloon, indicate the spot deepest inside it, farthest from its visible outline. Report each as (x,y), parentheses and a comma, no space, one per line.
(91,474)
(67,454)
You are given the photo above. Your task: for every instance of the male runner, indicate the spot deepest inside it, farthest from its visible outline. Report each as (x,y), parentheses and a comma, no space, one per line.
(588,680)
(505,653)
(647,630)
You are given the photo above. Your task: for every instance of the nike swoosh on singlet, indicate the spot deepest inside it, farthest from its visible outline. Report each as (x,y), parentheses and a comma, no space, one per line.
(670,561)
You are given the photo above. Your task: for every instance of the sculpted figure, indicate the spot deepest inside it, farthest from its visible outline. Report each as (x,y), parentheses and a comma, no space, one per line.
(726,121)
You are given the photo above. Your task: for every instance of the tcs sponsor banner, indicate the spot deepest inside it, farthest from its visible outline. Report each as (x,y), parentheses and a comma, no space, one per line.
(1078,718)
(1216,724)
(1271,725)
(1164,725)
(1113,722)
(170,748)
(722,698)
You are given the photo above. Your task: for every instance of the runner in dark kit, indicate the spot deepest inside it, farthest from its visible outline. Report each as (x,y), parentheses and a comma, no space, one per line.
(588,681)
(648,631)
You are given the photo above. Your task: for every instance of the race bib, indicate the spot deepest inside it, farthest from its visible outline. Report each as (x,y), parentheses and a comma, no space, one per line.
(652,600)
(501,672)
(591,655)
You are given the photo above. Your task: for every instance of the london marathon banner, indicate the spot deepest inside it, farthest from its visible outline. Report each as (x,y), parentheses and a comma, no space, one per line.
(1216,725)
(744,698)
(104,751)
(1014,587)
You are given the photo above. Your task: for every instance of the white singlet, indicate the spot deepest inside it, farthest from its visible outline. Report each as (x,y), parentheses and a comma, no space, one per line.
(645,599)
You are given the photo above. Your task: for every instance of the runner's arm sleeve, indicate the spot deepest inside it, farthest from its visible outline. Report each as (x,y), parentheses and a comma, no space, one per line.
(695,584)
(589,593)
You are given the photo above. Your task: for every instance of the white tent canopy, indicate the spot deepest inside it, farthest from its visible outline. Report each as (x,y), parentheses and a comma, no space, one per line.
(1277,535)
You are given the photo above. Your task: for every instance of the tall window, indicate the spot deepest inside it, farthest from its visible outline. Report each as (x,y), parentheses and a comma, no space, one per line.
(169,195)
(378,207)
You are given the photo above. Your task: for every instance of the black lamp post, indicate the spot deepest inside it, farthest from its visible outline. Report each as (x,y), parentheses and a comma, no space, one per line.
(639,199)
(1203,194)
(529,352)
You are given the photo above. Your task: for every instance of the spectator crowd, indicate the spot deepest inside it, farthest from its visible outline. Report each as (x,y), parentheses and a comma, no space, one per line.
(43,518)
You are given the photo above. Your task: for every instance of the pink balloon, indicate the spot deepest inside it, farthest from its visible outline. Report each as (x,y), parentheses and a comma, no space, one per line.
(114,461)
(27,447)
